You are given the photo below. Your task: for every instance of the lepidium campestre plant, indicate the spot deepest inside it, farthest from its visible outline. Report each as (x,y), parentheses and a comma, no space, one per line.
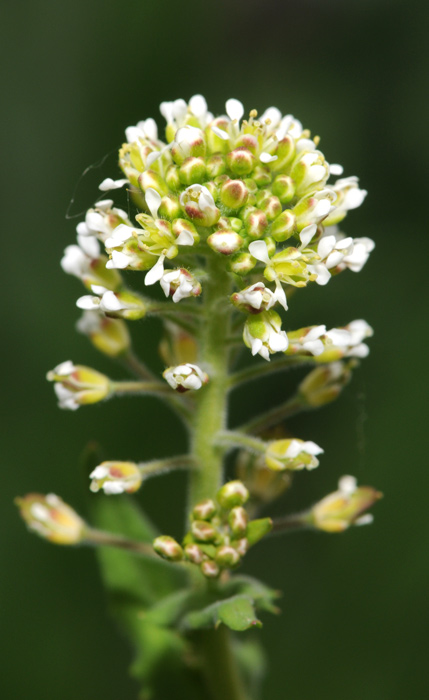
(230,216)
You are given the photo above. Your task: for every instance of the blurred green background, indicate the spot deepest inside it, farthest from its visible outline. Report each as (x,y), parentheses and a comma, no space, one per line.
(75,74)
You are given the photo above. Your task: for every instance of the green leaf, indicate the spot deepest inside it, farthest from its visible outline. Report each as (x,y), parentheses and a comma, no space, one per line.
(262,596)
(257,529)
(237,613)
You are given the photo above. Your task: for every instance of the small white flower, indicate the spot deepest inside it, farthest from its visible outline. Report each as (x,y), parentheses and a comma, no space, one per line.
(185,377)
(180,284)
(115,478)
(259,297)
(308,447)
(109,184)
(263,335)
(77,258)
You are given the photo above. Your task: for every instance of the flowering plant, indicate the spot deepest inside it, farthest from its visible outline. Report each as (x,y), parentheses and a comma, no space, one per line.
(232,216)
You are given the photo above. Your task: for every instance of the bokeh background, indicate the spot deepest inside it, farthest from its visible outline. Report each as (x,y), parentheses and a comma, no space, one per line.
(75,74)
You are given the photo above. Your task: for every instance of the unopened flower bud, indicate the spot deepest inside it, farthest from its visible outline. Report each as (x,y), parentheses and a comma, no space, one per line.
(192,170)
(188,142)
(108,335)
(234,194)
(202,531)
(285,152)
(184,231)
(237,520)
(283,227)
(76,385)
(283,187)
(168,548)
(242,263)
(242,546)
(185,377)
(210,569)
(309,172)
(172,178)
(292,454)
(264,484)
(194,553)
(227,556)
(169,207)
(241,161)
(115,478)
(150,180)
(215,165)
(199,205)
(344,507)
(270,205)
(205,510)
(255,222)
(233,493)
(314,208)
(323,384)
(225,242)
(262,176)
(51,518)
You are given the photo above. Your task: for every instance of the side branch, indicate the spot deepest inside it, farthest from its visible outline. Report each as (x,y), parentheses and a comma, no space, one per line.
(274,416)
(230,438)
(260,369)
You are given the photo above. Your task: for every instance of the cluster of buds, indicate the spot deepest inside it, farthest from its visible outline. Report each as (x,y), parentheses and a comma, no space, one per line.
(220,533)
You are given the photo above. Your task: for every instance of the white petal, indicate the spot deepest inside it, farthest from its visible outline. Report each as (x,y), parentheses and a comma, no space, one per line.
(198,106)
(234,109)
(152,157)
(83,230)
(89,245)
(326,246)
(119,261)
(315,333)
(155,274)
(336,169)
(347,485)
(365,519)
(110,302)
(88,302)
(294,449)
(109,184)
(267,158)
(316,347)
(185,238)
(153,200)
(259,250)
(273,114)
(307,233)
(280,295)
(99,289)
(311,448)
(119,235)
(334,259)
(220,132)
(65,368)
(278,342)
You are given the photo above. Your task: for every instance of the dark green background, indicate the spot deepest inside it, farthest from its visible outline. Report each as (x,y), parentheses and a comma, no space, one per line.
(75,74)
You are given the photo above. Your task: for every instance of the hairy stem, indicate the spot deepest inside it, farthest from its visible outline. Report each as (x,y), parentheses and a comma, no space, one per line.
(233,438)
(218,665)
(273,417)
(164,466)
(253,372)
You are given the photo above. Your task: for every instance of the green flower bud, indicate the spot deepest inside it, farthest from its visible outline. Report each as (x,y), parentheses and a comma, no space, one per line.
(172,178)
(51,518)
(242,263)
(284,226)
(227,556)
(192,170)
(194,553)
(169,207)
(116,477)
(283,187)
(323,384)
(149,179)
(205,510)
(215,143)
(210,569)
(241,161)
(225,242)
(255,222)
(261,176)
(188,142)
(202,531)
(168,548)
(232,494)
(248,141)
(109,336)
(271,206)
(198,203)
(215,165)
(181,225)
(309,172)
(285,153)
(234,194)
(237,520)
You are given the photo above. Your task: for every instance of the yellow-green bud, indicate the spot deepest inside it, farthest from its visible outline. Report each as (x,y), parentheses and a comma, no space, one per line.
(284,226)
(225,242)
(283,187)
(215,143)
(210,569)
(205,510)
(344,507)
(227,556)
(234,194)
(242,263)
(194,553)
(188,142)
(169,207)
(116,477)
(255,222)
(271,206)
(292,454)
(168,548)
(51,518)
(262,176)
(202,531)
(241,546)
(285,153)
(76,385)
(172,178)
(110,336)
(237,520)
(181,225)
(241,161)
(149,179)
(215,166)
(232,494)
(323,384)
(192,170)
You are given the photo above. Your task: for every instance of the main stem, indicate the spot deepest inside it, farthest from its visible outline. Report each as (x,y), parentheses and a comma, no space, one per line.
(219,665)
(211,409)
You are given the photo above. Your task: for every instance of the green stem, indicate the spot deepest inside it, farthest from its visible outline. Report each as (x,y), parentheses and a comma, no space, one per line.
(273,417)
(211,400)
(255,371)
(233,438)
(135,366)
(154,388)
(163,466)
(291,523)
(218,665)
(108,539)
